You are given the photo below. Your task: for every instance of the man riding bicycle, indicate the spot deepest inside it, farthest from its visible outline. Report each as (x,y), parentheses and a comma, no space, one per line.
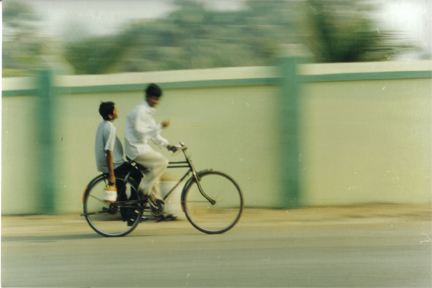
(140,127)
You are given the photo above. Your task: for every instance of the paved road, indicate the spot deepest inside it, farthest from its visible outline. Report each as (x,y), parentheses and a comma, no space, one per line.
(324,247)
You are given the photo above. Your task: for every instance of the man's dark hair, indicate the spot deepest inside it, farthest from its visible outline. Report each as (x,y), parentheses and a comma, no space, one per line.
(106,109)
(153,90)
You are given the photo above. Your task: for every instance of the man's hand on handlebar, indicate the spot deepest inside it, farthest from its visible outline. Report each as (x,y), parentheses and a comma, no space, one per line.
(172,148)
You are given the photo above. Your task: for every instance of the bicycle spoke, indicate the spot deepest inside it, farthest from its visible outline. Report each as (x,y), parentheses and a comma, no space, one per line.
(111,219)
(98,199)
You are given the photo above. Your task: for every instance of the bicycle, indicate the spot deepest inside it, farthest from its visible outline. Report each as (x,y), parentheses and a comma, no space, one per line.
(212,201)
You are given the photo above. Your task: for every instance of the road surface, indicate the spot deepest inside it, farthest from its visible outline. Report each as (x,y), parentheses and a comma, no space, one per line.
(359,246)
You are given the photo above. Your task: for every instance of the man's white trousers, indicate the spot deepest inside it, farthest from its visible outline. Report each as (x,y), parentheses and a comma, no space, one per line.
(157,164)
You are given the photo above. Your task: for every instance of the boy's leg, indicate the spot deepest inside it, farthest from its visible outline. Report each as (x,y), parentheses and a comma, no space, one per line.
(120,172)
(157,164)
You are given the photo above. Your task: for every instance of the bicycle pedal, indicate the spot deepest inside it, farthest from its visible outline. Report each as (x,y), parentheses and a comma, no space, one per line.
(159,201)
(152,206)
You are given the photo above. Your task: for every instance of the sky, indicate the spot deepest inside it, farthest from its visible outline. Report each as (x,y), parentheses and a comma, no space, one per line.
(411,17)
(106,16)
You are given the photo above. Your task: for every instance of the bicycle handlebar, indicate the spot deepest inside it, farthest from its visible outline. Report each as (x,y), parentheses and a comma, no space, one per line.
(179,147)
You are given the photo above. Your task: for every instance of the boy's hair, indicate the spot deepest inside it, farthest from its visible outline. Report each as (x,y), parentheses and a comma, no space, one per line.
(153,90)
(106,109)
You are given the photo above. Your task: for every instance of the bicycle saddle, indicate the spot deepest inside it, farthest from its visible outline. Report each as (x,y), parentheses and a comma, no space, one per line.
(140,167)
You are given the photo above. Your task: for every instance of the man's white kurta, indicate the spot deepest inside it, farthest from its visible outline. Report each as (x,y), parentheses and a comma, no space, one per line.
(140,127)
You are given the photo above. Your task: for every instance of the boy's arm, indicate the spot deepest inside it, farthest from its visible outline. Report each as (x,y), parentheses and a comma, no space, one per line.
(109,159)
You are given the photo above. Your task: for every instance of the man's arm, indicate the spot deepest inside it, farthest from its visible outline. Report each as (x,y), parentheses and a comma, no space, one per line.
(159,140)
(109,159)
(143,124)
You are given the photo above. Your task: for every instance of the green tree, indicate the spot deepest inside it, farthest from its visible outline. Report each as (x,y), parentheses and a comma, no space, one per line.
(189,38)
(341,31)
(21,44)
(192,37)
(97,55)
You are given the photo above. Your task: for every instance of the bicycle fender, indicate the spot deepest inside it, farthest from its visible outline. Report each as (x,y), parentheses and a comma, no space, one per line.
(90,184)
(189,183)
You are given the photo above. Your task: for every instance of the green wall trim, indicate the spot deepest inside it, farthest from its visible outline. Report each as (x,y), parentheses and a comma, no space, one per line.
(251,81)
(171,85)
(222,82)
(367,76)
(100,88)
(233,82)
(19,92)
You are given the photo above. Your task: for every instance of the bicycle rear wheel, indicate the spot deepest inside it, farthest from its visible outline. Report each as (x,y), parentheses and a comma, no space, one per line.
(224,213)
(106,218)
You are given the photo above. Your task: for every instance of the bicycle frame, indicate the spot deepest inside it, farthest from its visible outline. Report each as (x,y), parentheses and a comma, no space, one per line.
(187,164)
(192,202)
(179,164)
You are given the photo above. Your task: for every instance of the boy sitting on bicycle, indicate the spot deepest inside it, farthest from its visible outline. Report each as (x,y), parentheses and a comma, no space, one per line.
(108,148)
(109,151)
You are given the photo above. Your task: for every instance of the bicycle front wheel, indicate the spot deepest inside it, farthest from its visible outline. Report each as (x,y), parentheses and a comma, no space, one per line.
(112,219)
(227,198)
